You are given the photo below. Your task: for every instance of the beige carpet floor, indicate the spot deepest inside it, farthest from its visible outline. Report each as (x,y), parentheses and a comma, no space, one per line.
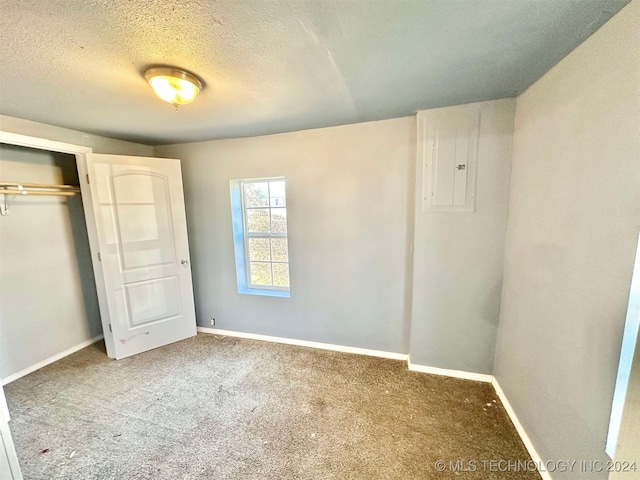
(216,407)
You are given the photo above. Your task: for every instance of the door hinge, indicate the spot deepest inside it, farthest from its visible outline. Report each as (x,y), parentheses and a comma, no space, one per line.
(110,328)
(88,178)
(99,257)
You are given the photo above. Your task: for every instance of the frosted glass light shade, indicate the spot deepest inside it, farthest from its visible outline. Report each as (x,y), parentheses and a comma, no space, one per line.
(173,85)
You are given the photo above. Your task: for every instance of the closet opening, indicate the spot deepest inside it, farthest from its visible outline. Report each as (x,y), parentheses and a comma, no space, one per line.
(49,301)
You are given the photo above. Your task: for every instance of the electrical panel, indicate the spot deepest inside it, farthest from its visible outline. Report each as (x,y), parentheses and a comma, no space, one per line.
(447,156)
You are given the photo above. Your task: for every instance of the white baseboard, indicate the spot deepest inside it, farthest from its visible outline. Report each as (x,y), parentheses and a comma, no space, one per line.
(478,377)
(306,343)
(521,431)
(49,360)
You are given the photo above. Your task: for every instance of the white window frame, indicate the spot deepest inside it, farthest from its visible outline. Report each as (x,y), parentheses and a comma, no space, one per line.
(268,235)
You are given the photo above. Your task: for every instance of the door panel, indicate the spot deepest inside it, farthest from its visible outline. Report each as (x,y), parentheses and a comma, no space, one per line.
(138,205)
(152,300)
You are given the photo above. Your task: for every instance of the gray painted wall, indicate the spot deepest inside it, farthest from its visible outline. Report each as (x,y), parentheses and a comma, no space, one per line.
(351,193)
(574,216)
(458,257)
(347,204)
(48,300)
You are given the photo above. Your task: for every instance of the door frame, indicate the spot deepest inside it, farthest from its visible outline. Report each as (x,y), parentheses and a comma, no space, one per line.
(94,247)
(7,448)
(42,143)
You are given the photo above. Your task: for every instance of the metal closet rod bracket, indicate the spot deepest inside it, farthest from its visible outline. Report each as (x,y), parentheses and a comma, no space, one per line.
(4,205)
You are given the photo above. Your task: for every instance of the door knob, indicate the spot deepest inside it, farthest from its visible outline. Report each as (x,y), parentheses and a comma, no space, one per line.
(184,261)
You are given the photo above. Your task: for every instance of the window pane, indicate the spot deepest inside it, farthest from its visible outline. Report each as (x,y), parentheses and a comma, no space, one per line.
(279,251)
(281,274)
(279,220)
(258,220)
(260,273)
(256,194)
(259,249)
(276,190)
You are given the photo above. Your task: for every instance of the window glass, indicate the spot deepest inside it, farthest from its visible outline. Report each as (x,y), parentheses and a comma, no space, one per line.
(264,209)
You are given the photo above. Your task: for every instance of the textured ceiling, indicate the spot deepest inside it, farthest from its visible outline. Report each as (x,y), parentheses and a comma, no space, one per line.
(274,66)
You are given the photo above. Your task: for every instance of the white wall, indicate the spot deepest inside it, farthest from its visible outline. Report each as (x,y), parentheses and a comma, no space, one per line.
(458,258)
(574,216)
(47,294)
(347,218)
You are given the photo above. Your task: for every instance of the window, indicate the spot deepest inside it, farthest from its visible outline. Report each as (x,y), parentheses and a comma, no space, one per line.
(259,214)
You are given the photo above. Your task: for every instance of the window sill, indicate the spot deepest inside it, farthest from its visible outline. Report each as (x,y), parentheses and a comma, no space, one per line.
(265,293)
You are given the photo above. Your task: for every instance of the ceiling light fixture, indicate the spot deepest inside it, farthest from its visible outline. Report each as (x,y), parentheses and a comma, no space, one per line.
(173,85)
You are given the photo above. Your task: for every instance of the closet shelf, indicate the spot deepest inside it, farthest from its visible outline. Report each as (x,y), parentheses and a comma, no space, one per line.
(11,189)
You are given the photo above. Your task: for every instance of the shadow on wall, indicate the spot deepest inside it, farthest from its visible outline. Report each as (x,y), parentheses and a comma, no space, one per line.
(68,168)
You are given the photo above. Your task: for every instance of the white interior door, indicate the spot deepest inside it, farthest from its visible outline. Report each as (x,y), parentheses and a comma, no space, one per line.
(138,234)
(9,467)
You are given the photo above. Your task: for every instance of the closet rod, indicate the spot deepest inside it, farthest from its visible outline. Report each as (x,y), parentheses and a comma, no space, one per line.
(64,193)
(37,185)
(10,190)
